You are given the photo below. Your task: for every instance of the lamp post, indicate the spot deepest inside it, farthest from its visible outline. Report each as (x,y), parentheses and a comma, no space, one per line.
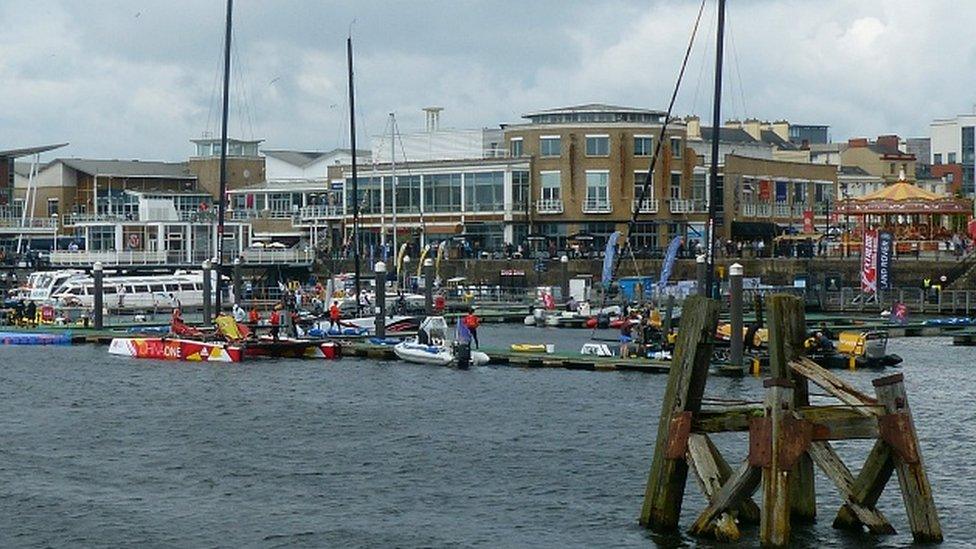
(406,271)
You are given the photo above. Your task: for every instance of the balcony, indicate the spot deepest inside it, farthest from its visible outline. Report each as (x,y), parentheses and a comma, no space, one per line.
(597,206)
(107,258)
(75,218)
(16,222)
(549,206)
(648,205)
(781,209)
(686,206)
(277,256)
(318,213)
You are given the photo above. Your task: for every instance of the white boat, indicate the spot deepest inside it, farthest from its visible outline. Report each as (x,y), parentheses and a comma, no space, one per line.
(183,289)
(432,347)
(41,284)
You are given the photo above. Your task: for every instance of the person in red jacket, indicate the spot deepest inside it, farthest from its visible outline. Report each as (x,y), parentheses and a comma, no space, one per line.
(334,315)
(275,321)
(471,322)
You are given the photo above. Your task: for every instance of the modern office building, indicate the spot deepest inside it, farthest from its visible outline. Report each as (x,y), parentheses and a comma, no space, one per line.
(953,142)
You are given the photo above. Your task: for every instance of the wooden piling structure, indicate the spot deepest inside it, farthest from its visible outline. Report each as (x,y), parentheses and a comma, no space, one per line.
(686,385)
(787,437)
(98,301)
(380,322)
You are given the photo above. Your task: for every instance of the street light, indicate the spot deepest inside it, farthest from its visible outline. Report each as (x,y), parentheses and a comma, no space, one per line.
(847,219)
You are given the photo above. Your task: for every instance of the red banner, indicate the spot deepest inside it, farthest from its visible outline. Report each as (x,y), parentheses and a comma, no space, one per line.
(808,221)
(765,190)
(869,262)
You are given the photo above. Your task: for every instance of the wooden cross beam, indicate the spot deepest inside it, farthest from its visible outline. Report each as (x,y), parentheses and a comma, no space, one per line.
(829,462)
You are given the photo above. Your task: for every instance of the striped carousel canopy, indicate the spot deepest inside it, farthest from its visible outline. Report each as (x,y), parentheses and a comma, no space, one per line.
(904,198)
(902,190)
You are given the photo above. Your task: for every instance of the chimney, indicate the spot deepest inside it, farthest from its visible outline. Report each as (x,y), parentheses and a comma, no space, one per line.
(782,129)
(693,127)
(733,124)
(753,128)
(889,143)
(433,115)
(857,142)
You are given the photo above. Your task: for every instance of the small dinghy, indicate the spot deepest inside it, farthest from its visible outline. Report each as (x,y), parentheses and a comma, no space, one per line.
(432,347)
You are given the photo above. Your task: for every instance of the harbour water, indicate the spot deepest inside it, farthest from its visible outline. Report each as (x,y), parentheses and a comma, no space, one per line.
(105,451)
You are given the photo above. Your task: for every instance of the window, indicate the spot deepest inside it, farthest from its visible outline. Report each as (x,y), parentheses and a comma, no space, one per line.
(799,192)
(644,236)
(515,147)
(675,185)
(639,185)
(597,190)
(938,158)
(407,194)
(699,185)
(101,238)
(52,207)
(484,192)
(891,168)
(520,190)
(550,146)
(676,147)
(952,158)
(442,192)
(822,192)
(642,145)
(550,186)
(597,145)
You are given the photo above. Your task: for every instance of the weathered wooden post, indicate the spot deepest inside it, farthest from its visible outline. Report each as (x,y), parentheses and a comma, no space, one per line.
(237,280)
(700,275)
(898,429)
(735,312)
(682,399)
(774,523)
(429,286)
(99,301)
(207,292)
(787,333)
(380,270)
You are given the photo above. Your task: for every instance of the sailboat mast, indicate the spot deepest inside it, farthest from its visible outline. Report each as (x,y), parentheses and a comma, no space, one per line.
(713,197)
(222,194)
(355,173)
(393,185)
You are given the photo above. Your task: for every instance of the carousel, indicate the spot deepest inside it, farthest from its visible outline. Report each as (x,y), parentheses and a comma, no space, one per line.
(920,220)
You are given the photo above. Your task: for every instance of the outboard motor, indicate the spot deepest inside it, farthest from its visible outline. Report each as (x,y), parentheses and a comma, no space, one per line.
(603,321)
(462,354)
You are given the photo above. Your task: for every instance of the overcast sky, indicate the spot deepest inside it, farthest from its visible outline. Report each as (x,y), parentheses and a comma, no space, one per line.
(139,78)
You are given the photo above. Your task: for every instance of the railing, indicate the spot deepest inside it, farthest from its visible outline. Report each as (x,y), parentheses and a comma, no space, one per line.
(687,205)
(597,205)
(549,206)
(245,214)
(796,210)
(781,210)
(74,218)
(29,223)
(648,205)
(320,212)
(108,257)
(270,256)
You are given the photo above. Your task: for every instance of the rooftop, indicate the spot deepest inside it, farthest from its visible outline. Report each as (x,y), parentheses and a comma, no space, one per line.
(128,168)
(595,112)
(305,158)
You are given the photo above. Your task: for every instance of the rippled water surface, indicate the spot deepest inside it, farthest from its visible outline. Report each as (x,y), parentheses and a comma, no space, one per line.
(105,451)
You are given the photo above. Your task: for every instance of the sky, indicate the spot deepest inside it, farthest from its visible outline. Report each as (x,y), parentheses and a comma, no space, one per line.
(140,78)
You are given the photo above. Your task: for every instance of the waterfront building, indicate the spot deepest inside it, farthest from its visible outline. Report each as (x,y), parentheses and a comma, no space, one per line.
(953,142)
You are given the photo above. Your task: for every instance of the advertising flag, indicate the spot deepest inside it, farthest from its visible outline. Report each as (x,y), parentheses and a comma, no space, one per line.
(869,262)
(669,258)
(808,221)
(886,244)
(608,256)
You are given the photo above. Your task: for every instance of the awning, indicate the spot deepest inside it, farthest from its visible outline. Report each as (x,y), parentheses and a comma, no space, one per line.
(754,229)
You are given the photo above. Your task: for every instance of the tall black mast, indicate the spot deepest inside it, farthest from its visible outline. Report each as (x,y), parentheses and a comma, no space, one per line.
(221,197)
(355,176)
(713,197)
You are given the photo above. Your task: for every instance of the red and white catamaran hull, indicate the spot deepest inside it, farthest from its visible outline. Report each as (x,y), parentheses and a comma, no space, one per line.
(175,349)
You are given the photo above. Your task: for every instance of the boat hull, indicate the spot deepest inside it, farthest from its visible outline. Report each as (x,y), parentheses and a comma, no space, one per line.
(160,348)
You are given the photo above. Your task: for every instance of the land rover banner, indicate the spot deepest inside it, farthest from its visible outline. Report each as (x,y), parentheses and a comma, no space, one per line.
(886,244)
(869,262)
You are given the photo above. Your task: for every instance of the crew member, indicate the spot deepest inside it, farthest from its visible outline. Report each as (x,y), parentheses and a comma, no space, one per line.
(471,322)
(334,315)
(626,336)
(253,317)
(275,321)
